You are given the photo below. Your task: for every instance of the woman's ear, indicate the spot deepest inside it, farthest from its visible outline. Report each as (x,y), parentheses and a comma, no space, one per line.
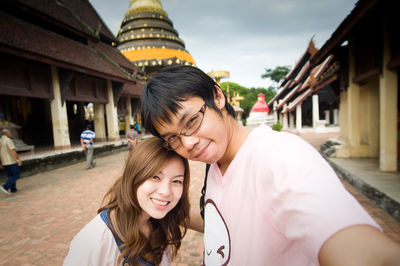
(219,98)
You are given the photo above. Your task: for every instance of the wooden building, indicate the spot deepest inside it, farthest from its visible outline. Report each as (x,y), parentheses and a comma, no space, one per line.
(308,95)
(56,57)
(369,102)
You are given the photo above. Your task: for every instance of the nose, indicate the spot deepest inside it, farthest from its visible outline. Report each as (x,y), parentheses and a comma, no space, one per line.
(164,187)
(189,141)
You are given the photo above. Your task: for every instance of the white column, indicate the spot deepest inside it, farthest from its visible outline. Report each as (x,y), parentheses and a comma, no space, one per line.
(291,120)
(275,112)
(99,122)
(336,117)
(327,117)
(298,117)
(128,117)
(388,89)
(112,115)
(315,109)
(59,115)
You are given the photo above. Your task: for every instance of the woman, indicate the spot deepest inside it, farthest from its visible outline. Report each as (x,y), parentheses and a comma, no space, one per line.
(144,215)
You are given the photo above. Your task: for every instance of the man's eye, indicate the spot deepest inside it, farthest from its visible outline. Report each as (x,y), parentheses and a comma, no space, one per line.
(192,121)
(172,138)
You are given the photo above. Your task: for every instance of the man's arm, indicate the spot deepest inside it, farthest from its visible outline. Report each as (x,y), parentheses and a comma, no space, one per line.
(196,221)
(360,245)
(16,156)
(83,144)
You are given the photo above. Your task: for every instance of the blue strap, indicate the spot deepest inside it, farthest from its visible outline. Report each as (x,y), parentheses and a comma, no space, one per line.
(103,216)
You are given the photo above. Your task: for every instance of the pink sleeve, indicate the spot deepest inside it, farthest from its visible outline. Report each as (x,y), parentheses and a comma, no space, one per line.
(308,202)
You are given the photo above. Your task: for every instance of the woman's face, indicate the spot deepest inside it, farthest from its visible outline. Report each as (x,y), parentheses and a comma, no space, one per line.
(159,194)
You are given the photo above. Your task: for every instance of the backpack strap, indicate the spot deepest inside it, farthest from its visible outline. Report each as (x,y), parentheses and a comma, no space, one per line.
(104,215)
(203,192)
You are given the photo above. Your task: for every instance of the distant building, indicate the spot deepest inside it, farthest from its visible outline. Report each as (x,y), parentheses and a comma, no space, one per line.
(308,97)
(149,40)
(56,57)
(259,114)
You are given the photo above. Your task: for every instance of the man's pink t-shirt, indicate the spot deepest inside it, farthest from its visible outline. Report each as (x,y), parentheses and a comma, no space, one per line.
(277,204)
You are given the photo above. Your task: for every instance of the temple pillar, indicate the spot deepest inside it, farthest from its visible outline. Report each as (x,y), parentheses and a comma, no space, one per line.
(350,112)
(298,117)
(291,120)
(99,122)
(315,110)
(275,112)
(388,91)
(128,117)
(335,117)
(59,115)
(327,117)
(285,117)
(112,115)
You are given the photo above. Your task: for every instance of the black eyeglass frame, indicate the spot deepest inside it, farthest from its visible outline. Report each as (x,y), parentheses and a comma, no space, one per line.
(167,144)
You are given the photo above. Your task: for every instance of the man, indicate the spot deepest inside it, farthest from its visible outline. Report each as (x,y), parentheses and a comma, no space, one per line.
(270,198)
(87,140)
(132,137)
(10,161)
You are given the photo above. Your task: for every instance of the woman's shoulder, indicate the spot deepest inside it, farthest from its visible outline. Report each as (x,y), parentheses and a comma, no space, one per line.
(93,245)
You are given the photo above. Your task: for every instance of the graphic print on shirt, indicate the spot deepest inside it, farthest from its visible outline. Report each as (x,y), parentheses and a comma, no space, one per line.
(217,241)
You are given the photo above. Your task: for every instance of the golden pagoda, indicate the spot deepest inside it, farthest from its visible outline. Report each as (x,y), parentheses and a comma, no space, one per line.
(148,39)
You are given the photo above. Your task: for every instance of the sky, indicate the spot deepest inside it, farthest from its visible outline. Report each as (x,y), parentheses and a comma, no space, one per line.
(243,37)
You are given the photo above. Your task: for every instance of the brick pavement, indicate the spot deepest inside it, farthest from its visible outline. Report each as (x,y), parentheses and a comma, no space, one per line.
(38,223)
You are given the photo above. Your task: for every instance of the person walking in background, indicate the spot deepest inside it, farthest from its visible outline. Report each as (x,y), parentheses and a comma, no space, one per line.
(137,127)
(144,215)
(132,137)
(10,161)
(87,141)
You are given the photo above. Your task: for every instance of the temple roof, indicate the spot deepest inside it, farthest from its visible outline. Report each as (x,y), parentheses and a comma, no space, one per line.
(77,16)
(68,34)
(148,39)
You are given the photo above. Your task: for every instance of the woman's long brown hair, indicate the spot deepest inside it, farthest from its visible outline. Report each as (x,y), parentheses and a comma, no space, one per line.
(143,162)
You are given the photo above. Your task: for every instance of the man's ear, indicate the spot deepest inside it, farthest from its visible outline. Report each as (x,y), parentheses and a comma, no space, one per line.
(219,98)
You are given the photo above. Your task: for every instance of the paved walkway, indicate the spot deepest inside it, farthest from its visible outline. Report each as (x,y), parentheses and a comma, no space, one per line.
(38,223)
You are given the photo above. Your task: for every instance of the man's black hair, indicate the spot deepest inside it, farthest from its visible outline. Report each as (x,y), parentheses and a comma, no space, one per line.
(89,127)
(172,85)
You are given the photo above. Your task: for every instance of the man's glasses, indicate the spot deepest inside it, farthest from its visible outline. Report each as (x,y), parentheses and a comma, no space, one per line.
(191,126)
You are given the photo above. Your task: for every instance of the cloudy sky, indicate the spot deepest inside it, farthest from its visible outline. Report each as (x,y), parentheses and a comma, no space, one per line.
(243,37)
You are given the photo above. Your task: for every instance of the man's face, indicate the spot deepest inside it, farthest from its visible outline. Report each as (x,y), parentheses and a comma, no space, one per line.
(208,144)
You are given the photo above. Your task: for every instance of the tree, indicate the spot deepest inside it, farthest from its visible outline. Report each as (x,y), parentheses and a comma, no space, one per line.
(276,74)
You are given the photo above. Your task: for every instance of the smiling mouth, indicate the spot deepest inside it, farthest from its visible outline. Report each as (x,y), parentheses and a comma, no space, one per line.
(160,202)
(200,153)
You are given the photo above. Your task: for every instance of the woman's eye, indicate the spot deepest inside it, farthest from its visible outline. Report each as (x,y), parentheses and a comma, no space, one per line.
(177,181)
(156,177)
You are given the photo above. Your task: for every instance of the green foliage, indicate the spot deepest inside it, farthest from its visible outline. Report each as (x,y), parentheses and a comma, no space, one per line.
(277,126)
(250,95)
(276,74)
